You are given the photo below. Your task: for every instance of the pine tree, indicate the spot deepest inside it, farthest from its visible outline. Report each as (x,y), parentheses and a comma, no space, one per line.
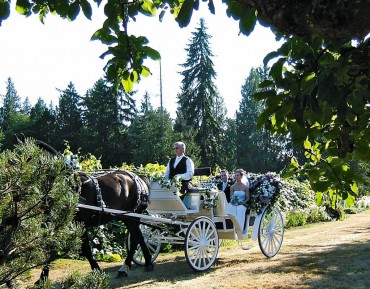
(198,98)
(26,106)
(151,138)
(43,124)
(11,117)
(146,104)
(258,149)
(70,117)
(106,116)
(37,209)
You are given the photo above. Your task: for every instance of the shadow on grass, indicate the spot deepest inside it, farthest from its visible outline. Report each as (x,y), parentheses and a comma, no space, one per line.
(341,266)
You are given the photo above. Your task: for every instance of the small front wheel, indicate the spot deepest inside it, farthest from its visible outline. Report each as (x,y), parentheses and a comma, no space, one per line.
(271,232)
(152,243)
(201,244)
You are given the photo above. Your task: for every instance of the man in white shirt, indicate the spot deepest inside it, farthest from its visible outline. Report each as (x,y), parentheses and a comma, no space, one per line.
(181,167)
(225,184)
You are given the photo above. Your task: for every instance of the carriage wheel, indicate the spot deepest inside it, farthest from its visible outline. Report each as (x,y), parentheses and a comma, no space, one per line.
(271,232)
(201,244)
(154,246)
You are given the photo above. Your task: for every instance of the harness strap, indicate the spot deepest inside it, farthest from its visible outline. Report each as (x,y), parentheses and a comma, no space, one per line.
(99,197)
(142,190)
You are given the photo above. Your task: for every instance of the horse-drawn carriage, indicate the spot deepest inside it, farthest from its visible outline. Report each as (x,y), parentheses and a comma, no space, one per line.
(199,221)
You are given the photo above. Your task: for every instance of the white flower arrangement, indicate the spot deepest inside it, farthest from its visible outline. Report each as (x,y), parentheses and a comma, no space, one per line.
(264,190)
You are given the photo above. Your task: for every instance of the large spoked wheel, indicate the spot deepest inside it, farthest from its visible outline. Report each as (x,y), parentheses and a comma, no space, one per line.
(201,244)
(271,232)
(153,244)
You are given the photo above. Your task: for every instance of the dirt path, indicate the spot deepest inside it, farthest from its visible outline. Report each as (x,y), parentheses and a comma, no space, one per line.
(325,255)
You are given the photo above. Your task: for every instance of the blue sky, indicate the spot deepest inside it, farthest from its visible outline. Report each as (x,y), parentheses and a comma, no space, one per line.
(41,58)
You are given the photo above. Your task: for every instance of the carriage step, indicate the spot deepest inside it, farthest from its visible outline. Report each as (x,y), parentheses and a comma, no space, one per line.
(227,225)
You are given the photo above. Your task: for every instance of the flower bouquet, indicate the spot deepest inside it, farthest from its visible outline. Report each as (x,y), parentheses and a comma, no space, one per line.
(264,191)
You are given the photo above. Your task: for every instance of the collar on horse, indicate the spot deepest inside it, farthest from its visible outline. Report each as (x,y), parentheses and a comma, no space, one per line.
(99,197)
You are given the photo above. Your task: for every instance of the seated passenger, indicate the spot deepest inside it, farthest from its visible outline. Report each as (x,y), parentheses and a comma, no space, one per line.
(240,197)
(225,184)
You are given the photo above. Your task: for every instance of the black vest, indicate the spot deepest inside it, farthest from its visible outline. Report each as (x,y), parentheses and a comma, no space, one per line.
(180,168)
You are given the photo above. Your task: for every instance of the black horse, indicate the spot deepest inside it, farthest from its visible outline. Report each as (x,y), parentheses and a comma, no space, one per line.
(119,190)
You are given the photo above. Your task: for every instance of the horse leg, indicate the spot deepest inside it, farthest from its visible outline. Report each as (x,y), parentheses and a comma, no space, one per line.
(44,274)
(136,239)
(87,253)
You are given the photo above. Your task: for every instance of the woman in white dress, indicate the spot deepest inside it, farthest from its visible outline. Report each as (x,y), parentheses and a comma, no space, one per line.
(241,191)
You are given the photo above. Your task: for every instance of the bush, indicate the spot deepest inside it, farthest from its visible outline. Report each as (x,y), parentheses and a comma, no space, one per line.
(316,214)
(295,219)
(94,280)
(38,197)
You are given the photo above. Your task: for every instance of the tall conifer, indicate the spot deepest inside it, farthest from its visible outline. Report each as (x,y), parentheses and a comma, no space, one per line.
(197,111)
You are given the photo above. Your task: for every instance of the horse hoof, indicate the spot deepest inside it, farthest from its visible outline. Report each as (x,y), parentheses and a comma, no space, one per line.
(123,271)
(149,268)
(121,274)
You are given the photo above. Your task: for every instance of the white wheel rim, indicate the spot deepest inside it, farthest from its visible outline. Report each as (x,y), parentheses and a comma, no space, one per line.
(271,233)
(153,246)
(201,244)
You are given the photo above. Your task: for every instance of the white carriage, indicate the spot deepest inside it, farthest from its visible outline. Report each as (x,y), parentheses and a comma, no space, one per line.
(200,221)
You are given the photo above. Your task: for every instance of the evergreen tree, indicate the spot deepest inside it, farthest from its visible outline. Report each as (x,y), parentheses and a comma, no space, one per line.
(69,117)
(151,138)
(258,150)
(26,106)
(198,98)
(105,118)
(11,117)
(43,124)
(146,104)
(228,154)
(37,205)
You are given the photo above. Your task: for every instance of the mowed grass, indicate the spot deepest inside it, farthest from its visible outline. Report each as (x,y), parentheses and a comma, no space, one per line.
(326,255)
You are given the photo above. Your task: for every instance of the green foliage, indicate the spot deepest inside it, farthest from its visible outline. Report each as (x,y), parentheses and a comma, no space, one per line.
(70,116)
(199,95)
(259,150)
(296,219)
(319,95)
(37,204)
(93,280)
(107,241)
(150,138)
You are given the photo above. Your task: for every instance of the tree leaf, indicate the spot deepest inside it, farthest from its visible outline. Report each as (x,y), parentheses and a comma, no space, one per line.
(86,8)
(186,11)
(152,53)
(264,94)
(354,187)
(266,83)
(128,85)
(145,71)
(23,7)
(73,10)
(148,8)
(211,6)
(4,10)
(248,20)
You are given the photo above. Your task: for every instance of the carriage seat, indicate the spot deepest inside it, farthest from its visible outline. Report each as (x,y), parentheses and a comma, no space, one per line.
(167,201)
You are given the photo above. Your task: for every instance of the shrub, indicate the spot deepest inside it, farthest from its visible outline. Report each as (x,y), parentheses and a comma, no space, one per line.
(93,280)
(316,214)
(295,219)
(38,197)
